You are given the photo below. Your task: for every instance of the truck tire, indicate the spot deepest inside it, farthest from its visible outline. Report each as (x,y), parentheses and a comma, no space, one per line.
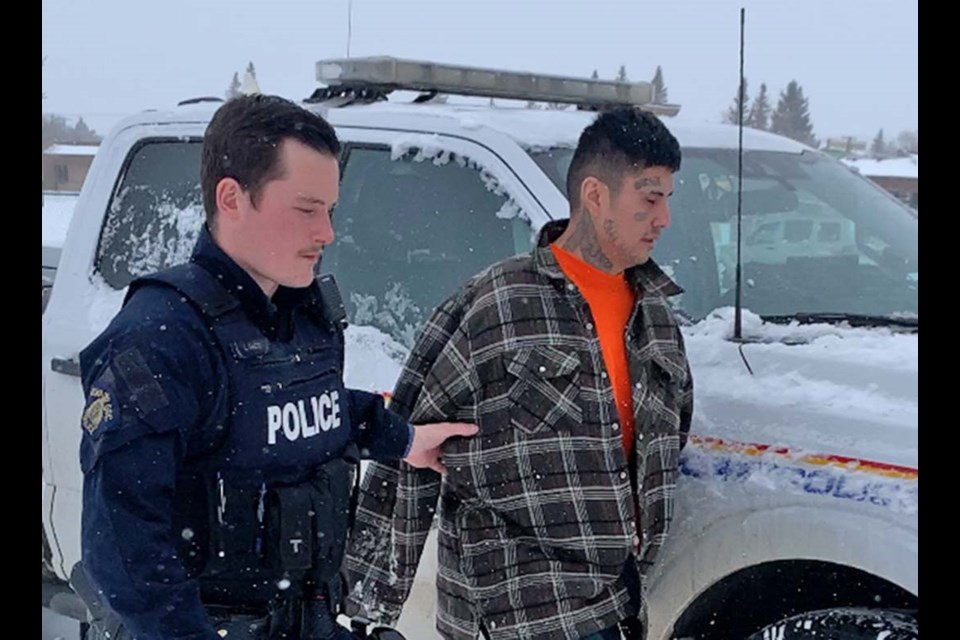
(844,624)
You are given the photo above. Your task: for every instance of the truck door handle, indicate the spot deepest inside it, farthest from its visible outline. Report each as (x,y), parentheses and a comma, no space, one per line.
(66,366)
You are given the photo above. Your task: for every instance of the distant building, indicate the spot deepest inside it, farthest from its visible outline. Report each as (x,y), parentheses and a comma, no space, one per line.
(899,176)
(65,166)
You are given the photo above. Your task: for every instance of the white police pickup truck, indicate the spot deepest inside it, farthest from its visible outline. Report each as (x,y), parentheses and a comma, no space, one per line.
(800,486)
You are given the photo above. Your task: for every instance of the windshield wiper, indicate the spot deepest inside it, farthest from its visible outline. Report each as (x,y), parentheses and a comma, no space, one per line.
(853,319)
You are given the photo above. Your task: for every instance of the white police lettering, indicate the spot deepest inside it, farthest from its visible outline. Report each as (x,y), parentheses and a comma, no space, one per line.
(295,420)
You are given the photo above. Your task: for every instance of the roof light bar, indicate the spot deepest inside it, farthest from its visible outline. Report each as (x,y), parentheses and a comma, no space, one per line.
(391,74)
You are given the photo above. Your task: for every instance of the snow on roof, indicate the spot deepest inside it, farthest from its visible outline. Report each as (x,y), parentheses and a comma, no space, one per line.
(72,150)
(908,167)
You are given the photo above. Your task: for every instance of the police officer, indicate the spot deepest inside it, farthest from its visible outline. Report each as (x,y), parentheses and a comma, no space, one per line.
(219,441)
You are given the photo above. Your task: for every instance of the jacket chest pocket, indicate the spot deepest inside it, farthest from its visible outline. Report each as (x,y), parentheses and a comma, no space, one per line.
(544,388)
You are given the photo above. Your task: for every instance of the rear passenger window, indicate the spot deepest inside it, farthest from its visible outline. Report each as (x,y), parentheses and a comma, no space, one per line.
(155,214)
(411,230)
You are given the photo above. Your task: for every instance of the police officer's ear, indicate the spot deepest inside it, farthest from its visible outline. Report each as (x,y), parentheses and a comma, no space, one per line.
(232,199)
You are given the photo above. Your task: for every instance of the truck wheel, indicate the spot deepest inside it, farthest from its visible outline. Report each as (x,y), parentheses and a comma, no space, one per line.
(844,624)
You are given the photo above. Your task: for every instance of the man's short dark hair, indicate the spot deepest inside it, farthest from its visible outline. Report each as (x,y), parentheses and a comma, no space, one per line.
(620,140)
(244,139)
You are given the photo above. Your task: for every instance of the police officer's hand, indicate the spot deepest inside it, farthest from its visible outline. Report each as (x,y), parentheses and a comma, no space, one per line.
(428,440)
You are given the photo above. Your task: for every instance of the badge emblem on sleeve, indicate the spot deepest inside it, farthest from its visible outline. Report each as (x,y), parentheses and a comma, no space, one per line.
(98,410)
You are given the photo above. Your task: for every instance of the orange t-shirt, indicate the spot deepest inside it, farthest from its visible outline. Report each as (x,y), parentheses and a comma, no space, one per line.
(611,302)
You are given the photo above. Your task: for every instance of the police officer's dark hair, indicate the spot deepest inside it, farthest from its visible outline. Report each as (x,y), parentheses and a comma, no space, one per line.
(244,138)
(620,140)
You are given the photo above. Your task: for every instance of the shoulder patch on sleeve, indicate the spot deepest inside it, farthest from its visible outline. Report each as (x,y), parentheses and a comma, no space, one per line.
(99,409)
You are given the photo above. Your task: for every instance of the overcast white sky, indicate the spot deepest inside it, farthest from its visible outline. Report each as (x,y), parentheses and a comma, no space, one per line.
(856,59)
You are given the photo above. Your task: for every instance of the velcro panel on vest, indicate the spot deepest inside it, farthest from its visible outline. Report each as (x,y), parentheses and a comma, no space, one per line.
(296,528)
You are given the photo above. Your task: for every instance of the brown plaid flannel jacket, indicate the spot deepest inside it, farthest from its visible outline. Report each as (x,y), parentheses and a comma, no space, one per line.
(541,510)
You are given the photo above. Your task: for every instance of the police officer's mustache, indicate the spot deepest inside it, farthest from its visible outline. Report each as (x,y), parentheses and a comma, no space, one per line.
(314,252)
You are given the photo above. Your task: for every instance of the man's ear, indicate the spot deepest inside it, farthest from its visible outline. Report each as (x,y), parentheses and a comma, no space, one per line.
(594,195)
(230,198)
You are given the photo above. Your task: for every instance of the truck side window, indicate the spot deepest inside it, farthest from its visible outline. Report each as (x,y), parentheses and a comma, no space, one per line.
(411,230)
(155,212)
